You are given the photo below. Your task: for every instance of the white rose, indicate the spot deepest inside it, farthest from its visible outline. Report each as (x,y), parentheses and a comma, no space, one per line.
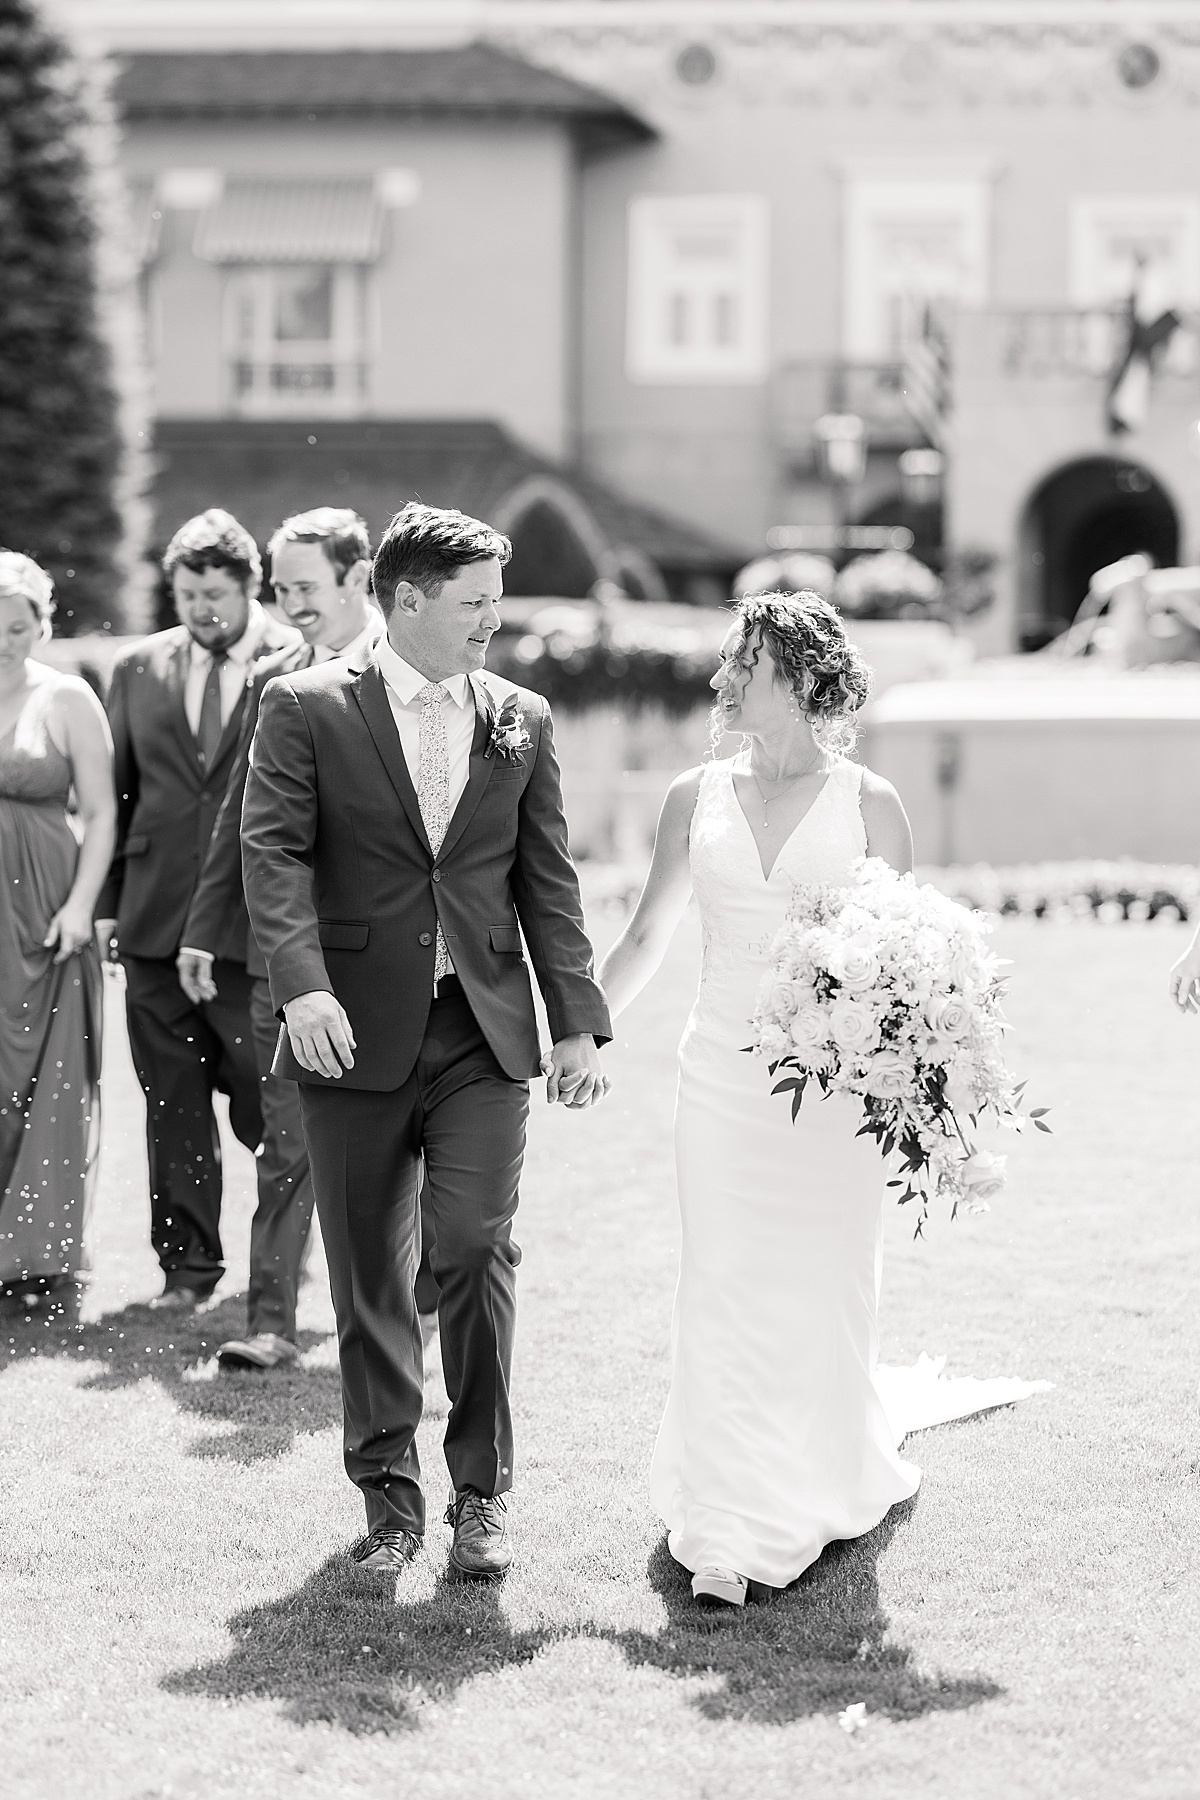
(781,1001)
(855,966)
(960,1094)
(809,1029)
(888,1075)
(948,1017)
(983,1174)
(852,1025)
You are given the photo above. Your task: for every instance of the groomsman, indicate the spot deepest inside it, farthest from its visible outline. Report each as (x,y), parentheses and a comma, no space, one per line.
(320,572)
(176,705)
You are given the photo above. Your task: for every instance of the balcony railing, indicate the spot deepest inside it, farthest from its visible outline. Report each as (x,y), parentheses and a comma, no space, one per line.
(1049,341)
(274,386)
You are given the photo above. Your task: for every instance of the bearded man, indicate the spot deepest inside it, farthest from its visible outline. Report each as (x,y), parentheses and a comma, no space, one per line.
(175,706)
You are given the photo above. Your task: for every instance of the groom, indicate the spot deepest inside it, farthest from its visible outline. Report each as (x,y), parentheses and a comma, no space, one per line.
(402,828)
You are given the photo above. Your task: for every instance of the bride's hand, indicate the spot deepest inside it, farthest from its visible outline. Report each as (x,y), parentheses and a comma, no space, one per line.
(1183,983)
(573,1073)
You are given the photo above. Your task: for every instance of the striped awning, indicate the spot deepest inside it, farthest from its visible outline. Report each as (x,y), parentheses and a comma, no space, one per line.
(334,221)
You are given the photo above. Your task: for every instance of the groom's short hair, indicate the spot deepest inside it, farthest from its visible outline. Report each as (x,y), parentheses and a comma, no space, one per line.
(342,535)
(427,545)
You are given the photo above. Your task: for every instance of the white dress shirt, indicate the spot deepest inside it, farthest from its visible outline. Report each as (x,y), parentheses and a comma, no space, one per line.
(235,670)
(358,651)
(403,683)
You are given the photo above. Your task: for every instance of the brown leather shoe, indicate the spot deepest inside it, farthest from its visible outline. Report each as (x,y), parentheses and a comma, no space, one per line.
(387,1549)
(481,1550)
(265,1350)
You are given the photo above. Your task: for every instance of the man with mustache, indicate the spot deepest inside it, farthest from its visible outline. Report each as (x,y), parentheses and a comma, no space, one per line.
(175,705)
(320,574)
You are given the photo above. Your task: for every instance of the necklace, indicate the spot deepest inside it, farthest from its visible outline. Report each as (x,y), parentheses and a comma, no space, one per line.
(769,800)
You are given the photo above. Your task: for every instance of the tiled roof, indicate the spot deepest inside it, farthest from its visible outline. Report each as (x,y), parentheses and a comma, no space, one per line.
(476,79)
(262,470)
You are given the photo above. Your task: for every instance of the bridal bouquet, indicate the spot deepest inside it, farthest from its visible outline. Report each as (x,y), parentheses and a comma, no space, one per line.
(888,991)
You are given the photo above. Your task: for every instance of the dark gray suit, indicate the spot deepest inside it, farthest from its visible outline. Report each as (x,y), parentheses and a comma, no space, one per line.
(167,802)
(346,895)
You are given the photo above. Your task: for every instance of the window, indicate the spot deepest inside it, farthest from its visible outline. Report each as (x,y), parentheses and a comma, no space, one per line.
(697,288)
(1116,243)
(295,337)
(907,243)
(296,256)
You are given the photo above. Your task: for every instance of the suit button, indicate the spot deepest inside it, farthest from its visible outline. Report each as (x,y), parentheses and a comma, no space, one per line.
(437,874)
(426,937)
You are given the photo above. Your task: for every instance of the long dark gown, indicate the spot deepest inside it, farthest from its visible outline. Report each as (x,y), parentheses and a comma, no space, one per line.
(50,1020)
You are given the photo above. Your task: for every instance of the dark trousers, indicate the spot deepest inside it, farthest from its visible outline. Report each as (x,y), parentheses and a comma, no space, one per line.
(280,1227)
(467,1118)
(183,1054)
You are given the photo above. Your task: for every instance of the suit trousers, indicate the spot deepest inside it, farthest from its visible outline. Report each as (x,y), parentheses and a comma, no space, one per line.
(283,1216)
(183,1054)
(466,1117)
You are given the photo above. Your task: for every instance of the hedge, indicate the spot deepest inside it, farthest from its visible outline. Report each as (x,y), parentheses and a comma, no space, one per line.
(1112,892)
(60,442)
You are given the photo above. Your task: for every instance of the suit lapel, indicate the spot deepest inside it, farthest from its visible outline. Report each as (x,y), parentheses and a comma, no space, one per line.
(370,692)
(233,724)
(479,769)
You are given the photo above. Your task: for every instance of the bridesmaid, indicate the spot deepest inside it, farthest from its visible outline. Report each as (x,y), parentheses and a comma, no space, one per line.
(53,741)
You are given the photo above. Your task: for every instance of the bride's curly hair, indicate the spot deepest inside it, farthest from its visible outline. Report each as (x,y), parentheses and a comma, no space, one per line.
(813,656)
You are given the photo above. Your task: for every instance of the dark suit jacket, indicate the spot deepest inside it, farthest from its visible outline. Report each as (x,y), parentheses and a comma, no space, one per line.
(166,801)
(217,920)
(345,893)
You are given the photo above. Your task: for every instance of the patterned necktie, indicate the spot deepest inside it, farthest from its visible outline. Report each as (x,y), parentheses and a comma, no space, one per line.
(208,737)
(433,794)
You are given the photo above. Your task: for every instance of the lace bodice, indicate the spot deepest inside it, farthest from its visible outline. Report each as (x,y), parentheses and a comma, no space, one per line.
(32,768)
(741,910)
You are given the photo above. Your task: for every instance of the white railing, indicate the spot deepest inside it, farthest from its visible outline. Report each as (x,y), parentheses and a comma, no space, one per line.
(279,386)
(1047,341)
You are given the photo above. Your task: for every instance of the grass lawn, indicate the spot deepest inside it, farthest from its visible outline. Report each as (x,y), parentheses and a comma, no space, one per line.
(178,1619)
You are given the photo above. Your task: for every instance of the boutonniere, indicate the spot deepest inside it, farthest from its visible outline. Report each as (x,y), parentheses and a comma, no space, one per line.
(509,737)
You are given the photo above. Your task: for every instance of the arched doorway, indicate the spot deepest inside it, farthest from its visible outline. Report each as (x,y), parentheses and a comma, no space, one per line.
(1077,520)
(558,548)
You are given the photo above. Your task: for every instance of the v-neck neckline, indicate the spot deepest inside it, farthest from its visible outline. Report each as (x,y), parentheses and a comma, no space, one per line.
(802,820)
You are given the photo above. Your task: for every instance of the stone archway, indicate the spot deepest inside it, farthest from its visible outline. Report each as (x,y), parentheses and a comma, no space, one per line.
(1079,518)
(558,548)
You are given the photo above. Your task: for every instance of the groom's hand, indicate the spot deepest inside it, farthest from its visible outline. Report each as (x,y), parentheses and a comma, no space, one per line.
(573,1073)
(319,1031)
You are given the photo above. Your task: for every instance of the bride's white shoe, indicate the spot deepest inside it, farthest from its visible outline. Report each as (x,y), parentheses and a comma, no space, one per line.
(719,1587)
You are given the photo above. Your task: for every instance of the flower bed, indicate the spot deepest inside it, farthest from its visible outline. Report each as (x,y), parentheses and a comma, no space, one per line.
(580,655)
(1112,892)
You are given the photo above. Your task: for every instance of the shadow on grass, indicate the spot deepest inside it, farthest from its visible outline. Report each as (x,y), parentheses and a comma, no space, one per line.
(815,1647)
(343,1651)
(267,1411)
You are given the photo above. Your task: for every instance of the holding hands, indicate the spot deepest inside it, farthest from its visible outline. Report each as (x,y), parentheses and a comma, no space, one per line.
(573,1073)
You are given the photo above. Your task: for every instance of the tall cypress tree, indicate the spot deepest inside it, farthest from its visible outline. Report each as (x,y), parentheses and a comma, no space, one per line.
(60,447)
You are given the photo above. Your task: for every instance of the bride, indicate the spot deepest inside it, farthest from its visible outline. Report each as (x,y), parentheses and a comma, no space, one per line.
(780,1433)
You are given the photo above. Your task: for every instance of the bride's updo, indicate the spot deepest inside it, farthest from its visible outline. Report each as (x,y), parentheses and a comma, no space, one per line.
(813,657)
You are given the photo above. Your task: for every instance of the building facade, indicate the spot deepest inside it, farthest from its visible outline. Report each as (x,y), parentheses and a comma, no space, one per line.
(735,224)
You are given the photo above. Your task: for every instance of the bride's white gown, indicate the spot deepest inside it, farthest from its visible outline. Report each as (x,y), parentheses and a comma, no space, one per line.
(781,1433)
